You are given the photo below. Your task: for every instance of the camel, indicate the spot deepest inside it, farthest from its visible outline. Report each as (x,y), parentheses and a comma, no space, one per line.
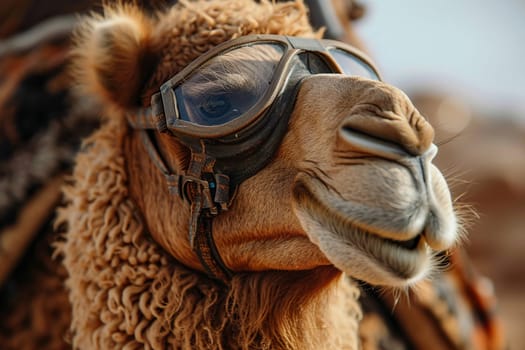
(348,192)
(27,325)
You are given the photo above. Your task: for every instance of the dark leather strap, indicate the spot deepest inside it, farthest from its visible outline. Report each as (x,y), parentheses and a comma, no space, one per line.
(200,234)
(149,118)
(205,248)
(203,206)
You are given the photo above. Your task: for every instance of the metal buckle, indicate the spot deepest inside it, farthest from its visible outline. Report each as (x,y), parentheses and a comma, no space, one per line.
(204,190)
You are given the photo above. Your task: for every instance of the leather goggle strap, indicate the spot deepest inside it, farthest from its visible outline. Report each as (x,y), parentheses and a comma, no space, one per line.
(173,181)
(149,118)
(206,250)
(201,237)
(203,208)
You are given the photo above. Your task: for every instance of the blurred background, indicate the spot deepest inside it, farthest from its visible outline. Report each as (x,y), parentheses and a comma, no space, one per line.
(461,61)
(471,48)
(463,64)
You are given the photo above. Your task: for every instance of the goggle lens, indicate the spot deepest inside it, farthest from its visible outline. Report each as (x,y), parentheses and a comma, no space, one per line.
(352,65)
(228,85)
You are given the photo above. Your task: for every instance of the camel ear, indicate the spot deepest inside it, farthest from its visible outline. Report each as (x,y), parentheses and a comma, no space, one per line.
(114,55)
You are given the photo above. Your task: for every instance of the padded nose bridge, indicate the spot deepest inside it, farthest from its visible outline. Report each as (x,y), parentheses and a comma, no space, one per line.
(384,112)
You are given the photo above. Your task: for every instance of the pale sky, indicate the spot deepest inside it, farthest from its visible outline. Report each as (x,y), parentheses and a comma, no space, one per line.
(474,49)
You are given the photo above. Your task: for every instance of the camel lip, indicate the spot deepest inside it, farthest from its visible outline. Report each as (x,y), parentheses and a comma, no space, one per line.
(413,246)
(401,258)
(386,252)
(409,244)
(373,145)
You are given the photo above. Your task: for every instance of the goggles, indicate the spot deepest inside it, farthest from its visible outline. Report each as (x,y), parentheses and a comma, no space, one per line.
(231,108)
(231,86)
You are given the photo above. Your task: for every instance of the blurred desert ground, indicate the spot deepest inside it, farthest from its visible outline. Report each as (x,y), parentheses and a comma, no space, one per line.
(463,64)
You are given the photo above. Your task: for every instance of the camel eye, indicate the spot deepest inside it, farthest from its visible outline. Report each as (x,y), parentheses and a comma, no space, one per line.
(353,65)
(216,109)
(215,106)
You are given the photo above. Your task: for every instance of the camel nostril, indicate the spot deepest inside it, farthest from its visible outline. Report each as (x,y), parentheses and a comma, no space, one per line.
(361,142)
(389,115)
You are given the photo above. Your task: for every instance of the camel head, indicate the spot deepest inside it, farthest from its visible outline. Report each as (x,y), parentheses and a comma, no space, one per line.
(341,177)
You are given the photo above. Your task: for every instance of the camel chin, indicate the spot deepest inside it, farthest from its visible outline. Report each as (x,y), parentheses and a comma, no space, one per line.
(385,232)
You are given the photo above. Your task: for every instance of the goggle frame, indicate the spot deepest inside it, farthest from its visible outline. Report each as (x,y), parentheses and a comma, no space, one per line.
(164,111)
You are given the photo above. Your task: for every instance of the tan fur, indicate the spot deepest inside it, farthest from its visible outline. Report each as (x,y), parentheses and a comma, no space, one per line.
(323,205)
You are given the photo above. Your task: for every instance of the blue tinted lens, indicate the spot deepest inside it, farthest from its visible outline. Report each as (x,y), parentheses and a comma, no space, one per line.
(352,65)
(228,85)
